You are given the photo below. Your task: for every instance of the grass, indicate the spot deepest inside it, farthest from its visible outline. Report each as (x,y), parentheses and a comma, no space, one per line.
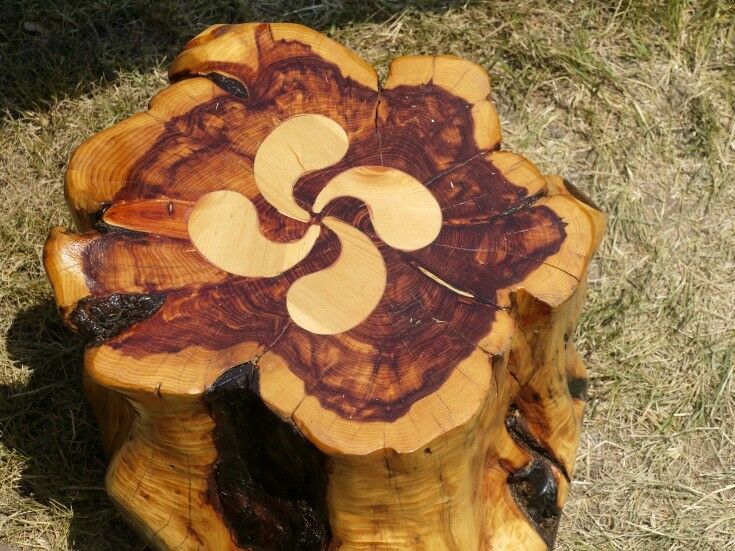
(631,100)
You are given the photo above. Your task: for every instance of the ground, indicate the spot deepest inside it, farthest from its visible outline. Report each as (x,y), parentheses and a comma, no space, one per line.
(632,101)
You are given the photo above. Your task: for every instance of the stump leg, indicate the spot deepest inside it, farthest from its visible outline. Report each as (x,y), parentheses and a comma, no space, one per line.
(160,467)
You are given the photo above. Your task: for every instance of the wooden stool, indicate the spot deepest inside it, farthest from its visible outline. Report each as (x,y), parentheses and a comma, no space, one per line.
(326,314)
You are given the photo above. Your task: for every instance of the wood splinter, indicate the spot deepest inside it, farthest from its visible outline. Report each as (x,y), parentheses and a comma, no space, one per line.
(326,314)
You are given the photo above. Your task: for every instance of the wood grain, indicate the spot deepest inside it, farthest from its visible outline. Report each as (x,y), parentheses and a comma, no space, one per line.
(282,256)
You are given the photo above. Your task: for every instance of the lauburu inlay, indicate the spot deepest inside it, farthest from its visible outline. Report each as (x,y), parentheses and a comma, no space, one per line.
(225,229)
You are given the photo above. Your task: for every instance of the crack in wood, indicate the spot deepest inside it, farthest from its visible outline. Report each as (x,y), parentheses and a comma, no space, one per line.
(535,491)
(524,203)
(579,195)
(440,281)
(534,487)
(268,482)
(228,84)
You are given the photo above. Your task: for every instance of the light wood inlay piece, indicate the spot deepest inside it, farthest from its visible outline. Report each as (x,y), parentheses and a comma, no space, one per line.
(404,212)
(296,146)
(338,298)
(224,227)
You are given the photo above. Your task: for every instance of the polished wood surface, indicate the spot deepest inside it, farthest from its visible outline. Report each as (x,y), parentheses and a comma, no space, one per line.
(326,313)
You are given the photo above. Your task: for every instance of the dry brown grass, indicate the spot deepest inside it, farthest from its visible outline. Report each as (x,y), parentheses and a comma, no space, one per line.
(633,101)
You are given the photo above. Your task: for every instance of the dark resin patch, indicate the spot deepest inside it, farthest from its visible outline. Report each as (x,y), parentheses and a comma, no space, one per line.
(518,430)
(577,387)
(535,491)
(101,318)
(229,85)
(269,482)
(534,487)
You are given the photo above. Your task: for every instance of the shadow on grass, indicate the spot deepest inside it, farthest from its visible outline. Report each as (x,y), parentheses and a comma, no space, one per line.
(48,422)
(52,50)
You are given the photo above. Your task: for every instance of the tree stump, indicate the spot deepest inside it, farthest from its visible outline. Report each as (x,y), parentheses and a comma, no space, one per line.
(326,313)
